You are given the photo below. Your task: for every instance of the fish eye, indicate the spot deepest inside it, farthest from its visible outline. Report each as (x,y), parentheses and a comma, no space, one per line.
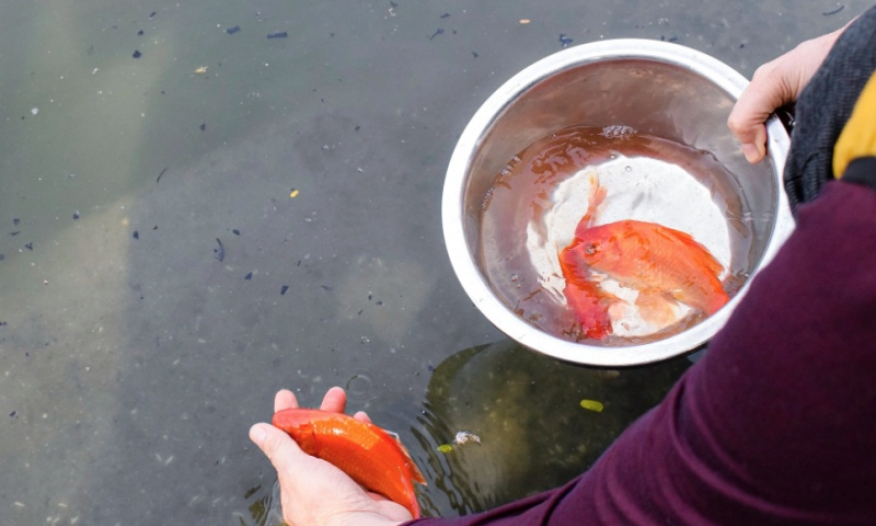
(591,248)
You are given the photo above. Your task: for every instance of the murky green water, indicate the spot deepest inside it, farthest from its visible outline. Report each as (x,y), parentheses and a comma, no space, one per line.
(134,358)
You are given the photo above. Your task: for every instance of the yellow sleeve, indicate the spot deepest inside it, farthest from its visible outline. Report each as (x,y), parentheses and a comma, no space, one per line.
(858,138)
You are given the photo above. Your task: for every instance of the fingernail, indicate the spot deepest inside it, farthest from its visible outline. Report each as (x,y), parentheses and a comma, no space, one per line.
(751,153)
(257,433)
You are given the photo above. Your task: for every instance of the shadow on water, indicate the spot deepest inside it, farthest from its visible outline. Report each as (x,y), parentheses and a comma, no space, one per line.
(525,408)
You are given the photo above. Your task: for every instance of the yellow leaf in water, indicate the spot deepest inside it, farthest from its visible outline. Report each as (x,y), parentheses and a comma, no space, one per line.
(592,405)
(293,194)
(445,448)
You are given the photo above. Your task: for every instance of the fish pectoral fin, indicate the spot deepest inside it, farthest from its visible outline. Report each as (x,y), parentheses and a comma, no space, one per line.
(656,307)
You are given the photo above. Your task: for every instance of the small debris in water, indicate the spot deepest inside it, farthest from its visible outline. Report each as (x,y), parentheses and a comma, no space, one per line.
(152,14)
(13,234)
(219,251)
(437,32)
(464,436)
(248,277)
(326,287)
(835,11)
(284,289)
(293,193)
(278,34)
(236,232)
(445,448)
(592,405)
(565,40)
(75,215)
(445,15)
(232,30)
(159,176)
(201,70)
(137,54)
(203,126)
(15,221)
(29,246)
(12,414)
(136,235)
(525,21)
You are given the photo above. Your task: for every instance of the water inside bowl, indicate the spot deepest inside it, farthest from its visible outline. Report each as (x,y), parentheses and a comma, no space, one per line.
(530,212)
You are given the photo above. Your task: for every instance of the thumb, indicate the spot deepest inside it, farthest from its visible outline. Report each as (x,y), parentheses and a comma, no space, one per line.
(278,446)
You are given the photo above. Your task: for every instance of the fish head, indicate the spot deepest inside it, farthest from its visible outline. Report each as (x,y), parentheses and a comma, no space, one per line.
(599,247)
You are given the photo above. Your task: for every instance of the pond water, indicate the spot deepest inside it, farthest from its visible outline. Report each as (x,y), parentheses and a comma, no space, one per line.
(194,215)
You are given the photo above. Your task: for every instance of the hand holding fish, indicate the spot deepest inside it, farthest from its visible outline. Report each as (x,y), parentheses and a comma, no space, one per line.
(313,491)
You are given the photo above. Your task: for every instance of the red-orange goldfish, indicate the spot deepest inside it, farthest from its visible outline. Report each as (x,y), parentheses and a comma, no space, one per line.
(587,300)
(651,258)
(368,454)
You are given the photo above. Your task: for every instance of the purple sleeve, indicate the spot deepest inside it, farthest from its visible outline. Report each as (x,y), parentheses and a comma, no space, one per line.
(777,423)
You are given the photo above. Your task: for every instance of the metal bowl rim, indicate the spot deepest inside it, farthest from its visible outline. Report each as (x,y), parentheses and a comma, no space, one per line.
(463,261)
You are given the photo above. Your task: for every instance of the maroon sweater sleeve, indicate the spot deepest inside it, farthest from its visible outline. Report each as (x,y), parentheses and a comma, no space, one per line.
(777,423)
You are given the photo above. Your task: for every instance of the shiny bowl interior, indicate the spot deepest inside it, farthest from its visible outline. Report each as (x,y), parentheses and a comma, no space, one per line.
(660,89)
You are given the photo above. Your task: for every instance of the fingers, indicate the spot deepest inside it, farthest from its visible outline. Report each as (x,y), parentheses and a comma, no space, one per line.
(769,89)
(285,399)
(362,417)
(335,400)
(773,85)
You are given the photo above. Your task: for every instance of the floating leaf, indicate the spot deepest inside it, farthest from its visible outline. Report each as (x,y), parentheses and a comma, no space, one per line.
(592,405)
(445,448)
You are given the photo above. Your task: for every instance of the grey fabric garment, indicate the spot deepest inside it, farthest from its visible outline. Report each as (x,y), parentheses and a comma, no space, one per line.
(825,106)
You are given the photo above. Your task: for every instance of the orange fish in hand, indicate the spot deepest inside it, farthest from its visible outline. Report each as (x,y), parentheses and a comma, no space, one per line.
(650,257)
(372,457)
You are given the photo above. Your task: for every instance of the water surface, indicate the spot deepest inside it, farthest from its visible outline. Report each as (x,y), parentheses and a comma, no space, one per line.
(159,281)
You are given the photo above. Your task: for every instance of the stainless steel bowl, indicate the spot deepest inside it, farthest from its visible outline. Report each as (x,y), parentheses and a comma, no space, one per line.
(660,89)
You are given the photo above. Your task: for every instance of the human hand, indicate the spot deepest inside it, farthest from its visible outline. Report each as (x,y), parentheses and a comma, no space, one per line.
(313,492)
(773,85)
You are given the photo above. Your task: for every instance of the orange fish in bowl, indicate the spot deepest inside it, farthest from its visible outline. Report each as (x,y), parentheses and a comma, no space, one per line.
(371,456)
(663,264)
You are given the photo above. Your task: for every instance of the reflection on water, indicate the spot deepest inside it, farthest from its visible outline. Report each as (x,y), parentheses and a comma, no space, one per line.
(263,509)
(526,409)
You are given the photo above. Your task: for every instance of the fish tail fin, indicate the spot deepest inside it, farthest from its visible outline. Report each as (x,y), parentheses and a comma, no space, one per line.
(416,474)
(716,300)
(594,203)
